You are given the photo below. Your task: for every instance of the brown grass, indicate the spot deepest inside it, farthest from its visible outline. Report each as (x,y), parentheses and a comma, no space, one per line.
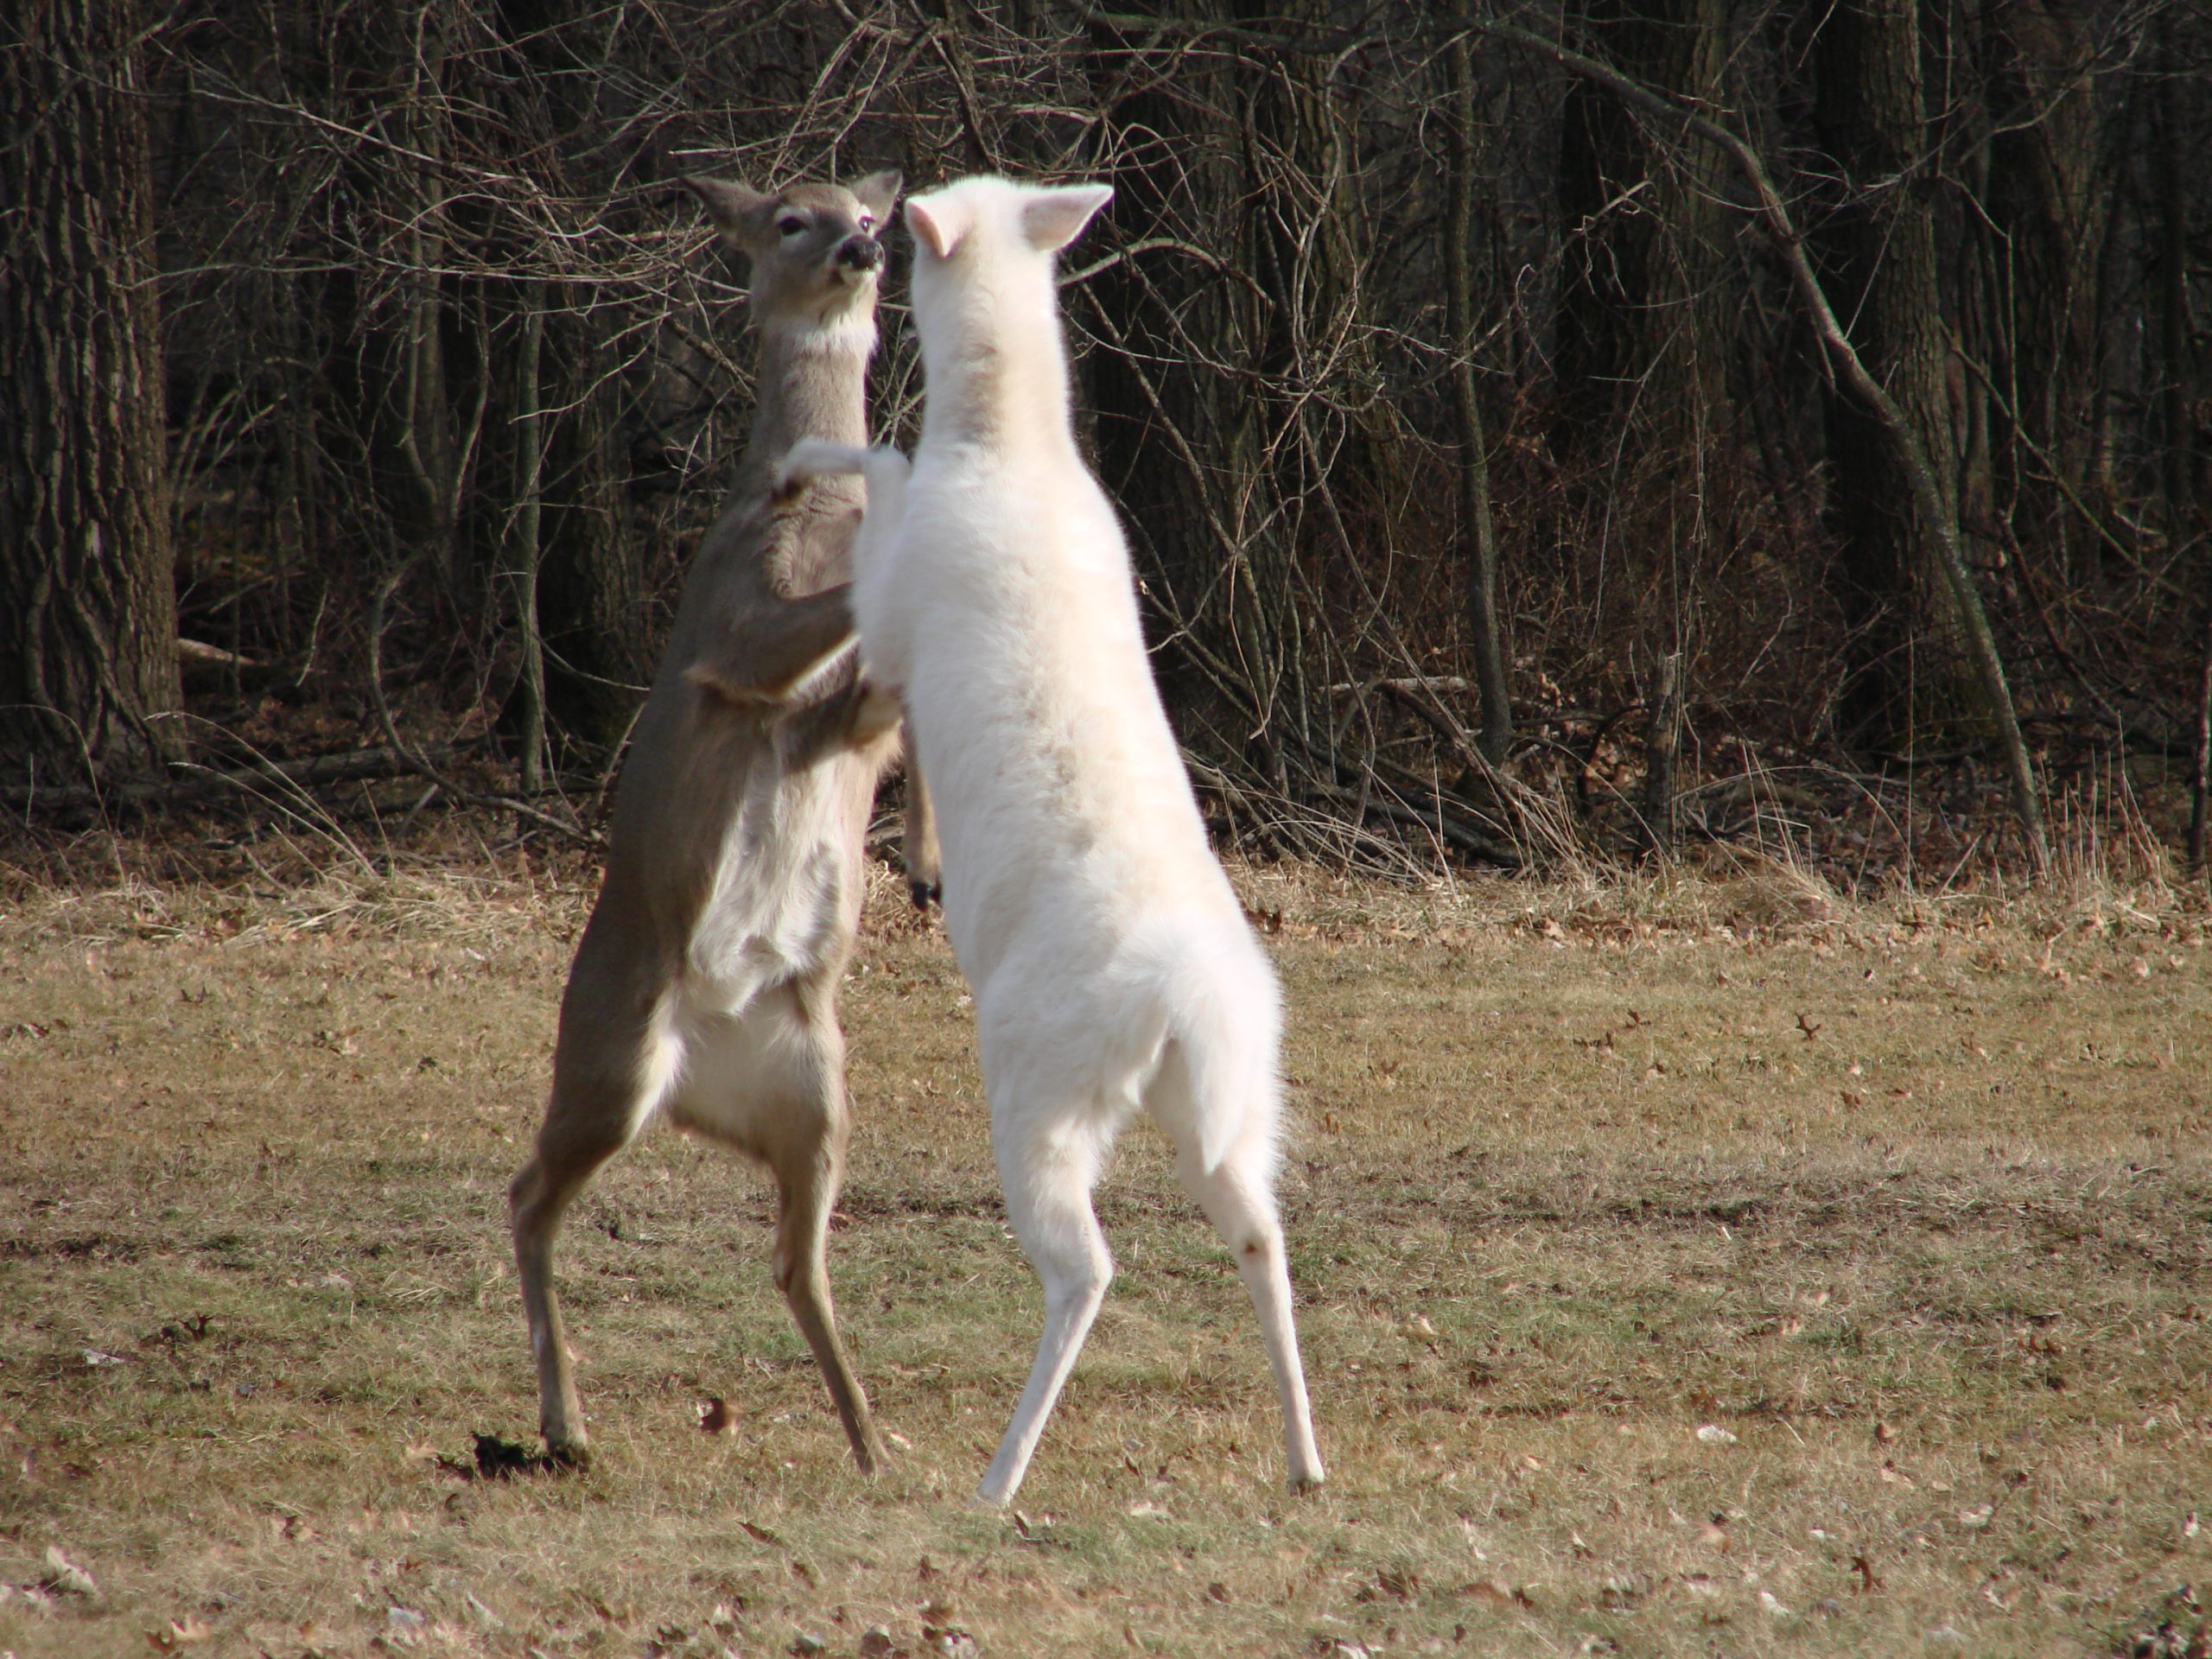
(1906,1206)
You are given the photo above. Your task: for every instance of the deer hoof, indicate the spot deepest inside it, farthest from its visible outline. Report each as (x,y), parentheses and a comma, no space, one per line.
(925,893)
(567,1454)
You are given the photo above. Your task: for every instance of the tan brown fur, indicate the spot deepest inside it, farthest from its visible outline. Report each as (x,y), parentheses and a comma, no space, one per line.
(705,985)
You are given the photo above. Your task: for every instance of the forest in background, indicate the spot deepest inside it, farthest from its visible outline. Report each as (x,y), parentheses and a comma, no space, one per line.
(1543,429)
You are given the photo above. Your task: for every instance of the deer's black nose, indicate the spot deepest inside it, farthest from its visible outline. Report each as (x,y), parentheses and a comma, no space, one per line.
(860,253)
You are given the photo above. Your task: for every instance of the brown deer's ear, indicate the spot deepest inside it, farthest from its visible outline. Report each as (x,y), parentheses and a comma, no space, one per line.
(878,191)
(739,212)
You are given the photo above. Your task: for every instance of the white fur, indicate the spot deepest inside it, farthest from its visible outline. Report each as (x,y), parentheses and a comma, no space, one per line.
(1110,961)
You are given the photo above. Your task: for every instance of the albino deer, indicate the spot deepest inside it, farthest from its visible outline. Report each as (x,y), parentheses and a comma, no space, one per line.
(1109,958)
(705,985)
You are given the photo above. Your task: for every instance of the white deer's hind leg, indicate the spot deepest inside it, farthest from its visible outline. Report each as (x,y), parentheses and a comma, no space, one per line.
(1238,1197)
(1047,1169)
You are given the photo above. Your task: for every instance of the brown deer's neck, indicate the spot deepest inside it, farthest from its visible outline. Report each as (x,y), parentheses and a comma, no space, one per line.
(813,383)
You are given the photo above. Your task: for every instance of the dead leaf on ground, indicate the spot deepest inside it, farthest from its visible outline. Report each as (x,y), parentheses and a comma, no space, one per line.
(181,1633)
(64,1577)
(1496,1592)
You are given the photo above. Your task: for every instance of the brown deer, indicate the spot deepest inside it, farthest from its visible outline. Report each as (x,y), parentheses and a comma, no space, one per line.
(705,985)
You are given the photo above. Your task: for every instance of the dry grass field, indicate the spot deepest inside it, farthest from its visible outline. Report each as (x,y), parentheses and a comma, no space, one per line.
(1685,1266)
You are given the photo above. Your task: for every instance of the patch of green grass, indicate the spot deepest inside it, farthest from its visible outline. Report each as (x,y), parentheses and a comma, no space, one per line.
(1910,1220)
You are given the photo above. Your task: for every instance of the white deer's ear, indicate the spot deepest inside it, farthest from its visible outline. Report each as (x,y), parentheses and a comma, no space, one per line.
(938,222)
(1052,219)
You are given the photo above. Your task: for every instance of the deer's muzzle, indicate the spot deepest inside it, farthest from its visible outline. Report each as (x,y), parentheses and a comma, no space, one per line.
(860,253)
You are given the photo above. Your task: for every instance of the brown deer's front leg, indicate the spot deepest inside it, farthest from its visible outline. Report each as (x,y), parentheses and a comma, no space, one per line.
(924,868)
(763,656)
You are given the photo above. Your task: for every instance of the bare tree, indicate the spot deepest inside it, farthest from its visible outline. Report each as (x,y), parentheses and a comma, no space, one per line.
(86,555)
(1883,497)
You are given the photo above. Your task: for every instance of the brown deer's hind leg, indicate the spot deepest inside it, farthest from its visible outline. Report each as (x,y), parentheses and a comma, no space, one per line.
(924,868)
(595,1112)
(771,1082)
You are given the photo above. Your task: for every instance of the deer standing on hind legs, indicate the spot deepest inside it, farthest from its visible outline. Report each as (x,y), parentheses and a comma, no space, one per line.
(1109,958)
(705,984)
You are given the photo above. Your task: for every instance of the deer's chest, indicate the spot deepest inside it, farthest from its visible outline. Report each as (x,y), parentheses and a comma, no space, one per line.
(785,896)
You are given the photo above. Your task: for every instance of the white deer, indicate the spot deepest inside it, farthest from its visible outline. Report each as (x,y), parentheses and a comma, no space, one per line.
(705,985)
(1109,958)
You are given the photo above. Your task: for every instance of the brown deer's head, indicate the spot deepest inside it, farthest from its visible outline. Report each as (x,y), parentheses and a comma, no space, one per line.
(816,249)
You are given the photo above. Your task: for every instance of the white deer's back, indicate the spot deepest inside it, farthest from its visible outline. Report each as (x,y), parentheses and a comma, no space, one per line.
(1061,796)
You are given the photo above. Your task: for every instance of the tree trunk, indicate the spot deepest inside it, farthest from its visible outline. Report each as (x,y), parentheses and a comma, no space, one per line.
(2049,208)
(1906,681)
(1177,431)
(1643,319)
(1477,537)
(591,609)
(597,645)
(2178,402)
(523,542)
(86,559)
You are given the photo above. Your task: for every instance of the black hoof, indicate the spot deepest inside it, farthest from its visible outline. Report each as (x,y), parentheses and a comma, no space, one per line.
(925,893)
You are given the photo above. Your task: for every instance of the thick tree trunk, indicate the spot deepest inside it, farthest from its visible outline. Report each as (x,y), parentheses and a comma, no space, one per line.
(1907,678)
(1177,433)
(1644,322)
(88,662)
(2049,207)
(591,611)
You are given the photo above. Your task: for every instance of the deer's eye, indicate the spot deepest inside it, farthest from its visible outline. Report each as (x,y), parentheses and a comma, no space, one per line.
(868,221)
(790,224)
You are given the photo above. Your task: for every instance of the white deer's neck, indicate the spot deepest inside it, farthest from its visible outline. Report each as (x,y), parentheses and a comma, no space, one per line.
(997,369)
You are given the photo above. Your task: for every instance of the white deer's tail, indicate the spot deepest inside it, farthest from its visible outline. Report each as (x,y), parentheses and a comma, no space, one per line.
(1225,1014)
